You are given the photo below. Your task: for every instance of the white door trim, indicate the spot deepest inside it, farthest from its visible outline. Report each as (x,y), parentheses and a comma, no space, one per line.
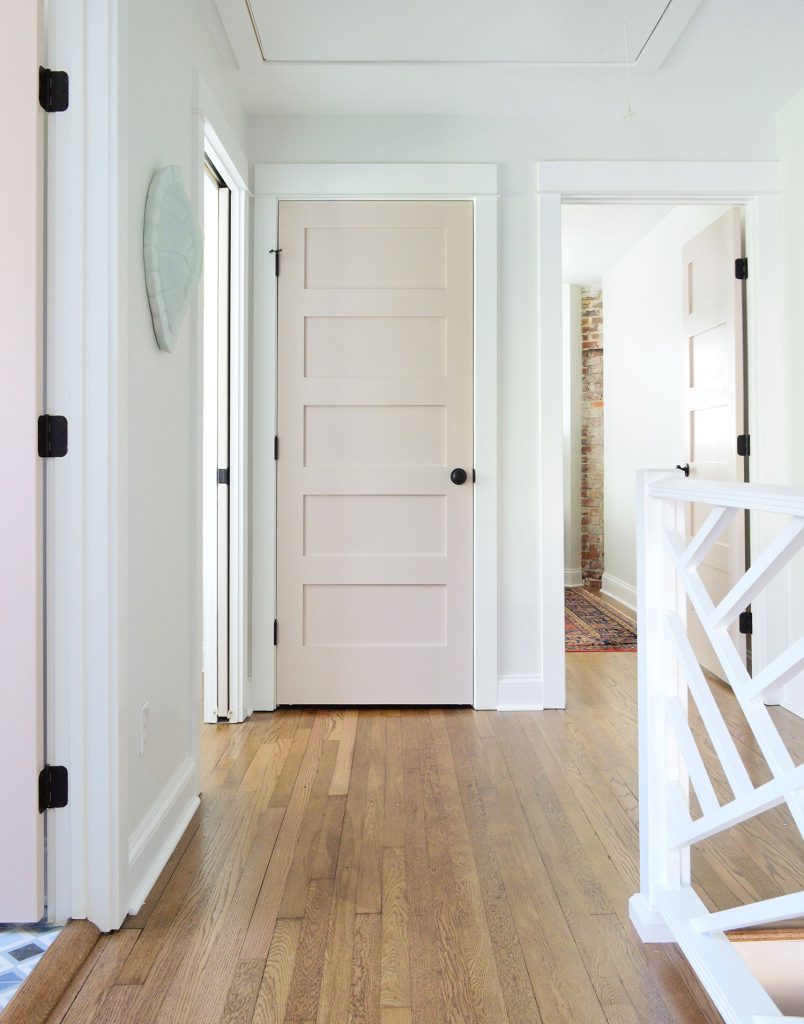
(87,855)
(275,182)
(754,185)
(233,168)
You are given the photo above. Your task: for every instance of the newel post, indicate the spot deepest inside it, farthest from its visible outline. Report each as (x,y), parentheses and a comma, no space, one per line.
(657,594)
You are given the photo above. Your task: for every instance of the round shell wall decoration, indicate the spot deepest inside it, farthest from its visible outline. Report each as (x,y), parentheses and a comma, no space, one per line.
(173,248)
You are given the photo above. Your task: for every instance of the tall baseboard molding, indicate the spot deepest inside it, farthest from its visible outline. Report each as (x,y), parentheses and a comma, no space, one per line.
(520,693)
(618,589)
(157,835)
(573,577)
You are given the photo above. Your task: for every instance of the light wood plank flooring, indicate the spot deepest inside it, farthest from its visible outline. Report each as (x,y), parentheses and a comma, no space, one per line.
(419,867)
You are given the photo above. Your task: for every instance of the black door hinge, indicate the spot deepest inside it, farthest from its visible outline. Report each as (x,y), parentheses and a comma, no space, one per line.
(474,476)
(276,632)
(52,436)
(746,623)
(276,253)
(276,447)
(741,268)
(223,476)
(53,787)
(743,444)
(54,90)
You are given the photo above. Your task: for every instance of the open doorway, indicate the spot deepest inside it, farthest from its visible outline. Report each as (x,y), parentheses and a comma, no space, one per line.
(223,425)
(653,377)
(215,477)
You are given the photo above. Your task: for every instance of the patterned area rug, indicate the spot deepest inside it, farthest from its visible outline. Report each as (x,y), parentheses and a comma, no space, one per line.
(594,625)
(21,949)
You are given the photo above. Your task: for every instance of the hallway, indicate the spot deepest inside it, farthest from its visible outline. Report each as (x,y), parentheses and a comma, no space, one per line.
(411,867)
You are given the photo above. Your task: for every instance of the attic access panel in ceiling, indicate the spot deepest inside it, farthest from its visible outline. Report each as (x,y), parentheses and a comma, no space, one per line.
(564,32)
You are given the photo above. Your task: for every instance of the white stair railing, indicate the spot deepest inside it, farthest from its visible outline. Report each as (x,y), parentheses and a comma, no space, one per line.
(667,908)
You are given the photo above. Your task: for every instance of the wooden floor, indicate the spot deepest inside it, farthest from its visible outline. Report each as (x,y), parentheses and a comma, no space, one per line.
(416,867)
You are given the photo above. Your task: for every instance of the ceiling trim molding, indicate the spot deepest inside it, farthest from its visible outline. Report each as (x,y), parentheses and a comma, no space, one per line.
(240,24)
(669,29)
(240,27)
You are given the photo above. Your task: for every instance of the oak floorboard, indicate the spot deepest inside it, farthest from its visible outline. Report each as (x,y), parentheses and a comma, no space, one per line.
(305,985)
(273,993)
(415,866)
(395,973)
(364,999)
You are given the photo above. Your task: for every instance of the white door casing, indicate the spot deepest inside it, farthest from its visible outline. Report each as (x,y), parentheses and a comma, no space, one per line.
(21,503)
(713,400)
(374,554)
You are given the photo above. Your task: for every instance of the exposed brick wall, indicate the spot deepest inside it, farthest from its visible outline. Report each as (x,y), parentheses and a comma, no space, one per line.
(592,437)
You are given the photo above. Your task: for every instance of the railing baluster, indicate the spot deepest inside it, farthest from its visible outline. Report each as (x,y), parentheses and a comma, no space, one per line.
(667,907)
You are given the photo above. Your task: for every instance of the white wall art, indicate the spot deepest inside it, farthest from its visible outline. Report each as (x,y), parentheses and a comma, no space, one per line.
(172,244)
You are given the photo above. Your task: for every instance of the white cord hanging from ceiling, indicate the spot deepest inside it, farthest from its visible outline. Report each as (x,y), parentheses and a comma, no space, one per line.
(630,113)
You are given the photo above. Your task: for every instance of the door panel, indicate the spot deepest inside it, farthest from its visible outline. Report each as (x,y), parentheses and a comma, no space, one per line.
(714,405)
(374,559)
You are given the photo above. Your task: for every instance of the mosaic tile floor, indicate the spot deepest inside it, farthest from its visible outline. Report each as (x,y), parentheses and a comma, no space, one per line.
(21,949)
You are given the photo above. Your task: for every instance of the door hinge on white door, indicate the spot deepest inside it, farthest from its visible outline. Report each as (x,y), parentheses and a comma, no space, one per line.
(741,268)
(276,253)
(743,444)
(53,787)
(276,632)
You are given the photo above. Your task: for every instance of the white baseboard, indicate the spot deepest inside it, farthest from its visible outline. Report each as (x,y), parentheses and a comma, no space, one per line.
(573,577)
(155,838)
(520,693)
(619,590)
(649,924)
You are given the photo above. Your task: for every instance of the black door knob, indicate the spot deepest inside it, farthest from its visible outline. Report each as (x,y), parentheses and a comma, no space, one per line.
(458,476)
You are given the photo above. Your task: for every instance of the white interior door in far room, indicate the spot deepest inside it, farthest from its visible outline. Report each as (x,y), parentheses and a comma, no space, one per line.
(714,402)
(217,249)
(375,416)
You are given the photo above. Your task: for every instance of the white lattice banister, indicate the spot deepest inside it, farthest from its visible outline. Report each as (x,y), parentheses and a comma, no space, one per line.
(780,671)
(786,501)
(718,520)
(669,576)
(781,1019)
(775,557)
(725,747)
(660,762)
(699,777)
(762,799)
(752,915)
(766,733)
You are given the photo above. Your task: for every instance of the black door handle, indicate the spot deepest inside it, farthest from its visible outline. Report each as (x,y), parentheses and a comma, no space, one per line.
(685,469)
(459,476)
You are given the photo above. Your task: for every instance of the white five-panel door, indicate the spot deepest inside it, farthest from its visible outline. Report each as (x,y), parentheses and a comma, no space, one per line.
(714,404)
(375,434)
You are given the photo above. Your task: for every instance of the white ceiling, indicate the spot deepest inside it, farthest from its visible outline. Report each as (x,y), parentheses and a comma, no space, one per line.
(540,31)
(595,238)
(704,57)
